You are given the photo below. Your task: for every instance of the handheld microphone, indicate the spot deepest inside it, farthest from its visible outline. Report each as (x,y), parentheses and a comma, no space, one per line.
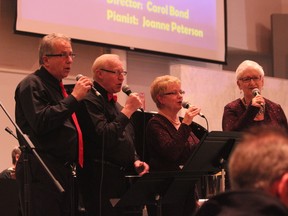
(256,92)
(186,105)
(126,89)
(92,87)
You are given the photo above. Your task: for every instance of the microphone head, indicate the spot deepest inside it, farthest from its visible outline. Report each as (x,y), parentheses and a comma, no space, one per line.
(8,130)
(185,104)
(126,90)
(78,77)
(255,92)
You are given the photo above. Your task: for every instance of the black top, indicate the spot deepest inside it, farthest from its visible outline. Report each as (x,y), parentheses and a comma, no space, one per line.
(103,125)
(45,116)
(168,147)
(243,203)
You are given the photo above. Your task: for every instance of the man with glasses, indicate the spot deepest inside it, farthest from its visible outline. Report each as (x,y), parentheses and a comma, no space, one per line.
(46,114)
(109,140)
(252,109)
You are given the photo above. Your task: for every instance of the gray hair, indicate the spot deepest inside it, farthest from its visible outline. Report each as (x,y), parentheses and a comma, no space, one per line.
(47,44)
(248,64)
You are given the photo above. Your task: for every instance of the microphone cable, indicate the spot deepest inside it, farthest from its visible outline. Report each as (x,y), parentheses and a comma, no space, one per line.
(207,125)
(102,159)
(186,105)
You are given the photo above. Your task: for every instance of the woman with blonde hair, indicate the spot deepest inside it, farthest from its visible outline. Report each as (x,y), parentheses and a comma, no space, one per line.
(170,139)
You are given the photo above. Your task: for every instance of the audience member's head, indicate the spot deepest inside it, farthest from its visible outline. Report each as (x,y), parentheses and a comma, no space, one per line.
(260,161)
(16,152)
(9,173)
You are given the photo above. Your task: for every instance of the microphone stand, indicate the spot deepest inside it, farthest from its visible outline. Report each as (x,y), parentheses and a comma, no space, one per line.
(29,144)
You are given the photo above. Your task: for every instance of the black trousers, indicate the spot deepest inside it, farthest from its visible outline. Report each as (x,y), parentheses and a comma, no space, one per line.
(99,183)
(40,195)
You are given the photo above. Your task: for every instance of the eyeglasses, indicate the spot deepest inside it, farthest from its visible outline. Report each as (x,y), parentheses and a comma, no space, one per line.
(248,79)
(181,92)
(124,73)
(63,55)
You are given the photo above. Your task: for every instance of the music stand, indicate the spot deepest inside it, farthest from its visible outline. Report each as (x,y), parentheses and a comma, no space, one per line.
(212,151)
(158,188)
(211,155)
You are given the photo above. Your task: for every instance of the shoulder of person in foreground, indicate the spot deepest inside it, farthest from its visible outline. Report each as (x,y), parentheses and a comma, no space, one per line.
(242,203)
